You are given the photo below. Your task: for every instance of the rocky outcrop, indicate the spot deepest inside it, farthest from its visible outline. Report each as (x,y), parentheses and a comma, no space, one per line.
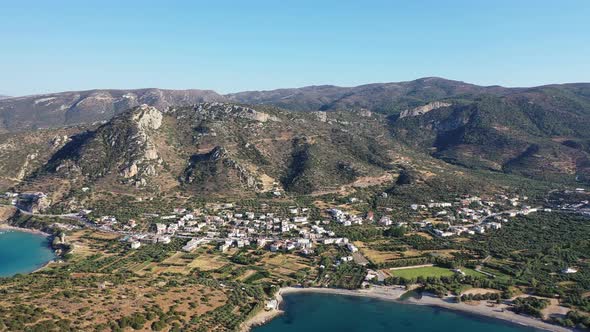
(147,118)
(322,116)
(222,110)
(420,110)
(25,168)
(208,167)
(130,171)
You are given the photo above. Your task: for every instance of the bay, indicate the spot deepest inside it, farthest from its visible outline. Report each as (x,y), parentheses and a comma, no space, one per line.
(311,312)
(22,252)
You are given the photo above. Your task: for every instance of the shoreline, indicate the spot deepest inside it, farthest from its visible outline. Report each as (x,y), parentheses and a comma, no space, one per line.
(24,230)
(6,227)
(393,294)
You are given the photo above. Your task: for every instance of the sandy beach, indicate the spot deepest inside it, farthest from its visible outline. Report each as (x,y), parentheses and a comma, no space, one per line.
(484,309)
(5,227)
(481,308)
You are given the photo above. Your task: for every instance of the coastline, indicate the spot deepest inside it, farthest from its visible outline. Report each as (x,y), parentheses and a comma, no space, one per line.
(263,316)
(24,230)
(6,227)
(394,293)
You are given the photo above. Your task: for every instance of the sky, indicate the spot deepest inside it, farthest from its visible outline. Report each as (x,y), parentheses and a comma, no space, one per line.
(230,46)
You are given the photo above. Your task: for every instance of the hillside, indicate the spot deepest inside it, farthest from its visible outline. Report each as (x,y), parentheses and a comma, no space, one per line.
(540,132)
(215,149)
(83,107)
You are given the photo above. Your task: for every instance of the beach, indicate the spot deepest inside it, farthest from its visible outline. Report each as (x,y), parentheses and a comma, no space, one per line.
(6,227)
(481,308)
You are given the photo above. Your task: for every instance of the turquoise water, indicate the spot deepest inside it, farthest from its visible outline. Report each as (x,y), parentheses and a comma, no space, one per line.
(311,312)
(22,252)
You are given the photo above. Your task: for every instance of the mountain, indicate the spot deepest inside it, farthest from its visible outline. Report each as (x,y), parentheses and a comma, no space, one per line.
(378,97)
(227,148)
(4,97)
(538,132)
(220,149)
(83,107)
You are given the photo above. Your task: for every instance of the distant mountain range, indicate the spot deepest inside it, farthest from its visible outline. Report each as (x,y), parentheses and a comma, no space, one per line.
(83,107)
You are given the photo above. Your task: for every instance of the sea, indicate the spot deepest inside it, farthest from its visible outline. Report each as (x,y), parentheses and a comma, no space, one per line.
(312,312)
(22,252)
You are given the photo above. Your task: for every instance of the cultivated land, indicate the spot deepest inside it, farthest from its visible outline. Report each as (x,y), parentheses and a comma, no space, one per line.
(424,272)
(173,218)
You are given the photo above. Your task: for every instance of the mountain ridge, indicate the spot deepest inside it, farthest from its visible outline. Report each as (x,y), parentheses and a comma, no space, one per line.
(83,107)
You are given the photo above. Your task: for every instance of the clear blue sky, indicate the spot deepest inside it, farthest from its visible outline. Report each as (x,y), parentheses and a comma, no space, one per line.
(228,46)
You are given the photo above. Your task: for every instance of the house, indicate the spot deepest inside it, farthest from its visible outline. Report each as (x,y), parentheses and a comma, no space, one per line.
(172,228)
(304,243)
(261,242)
(164,239)
(494,225)
(271,305)
(274,247)
(329,241)
(441,233)
(300,219)
(160,228)
(385,221)
(341,241)
(569,270)
(241,243)
(194,243)
(135,244)
(224,247)
(351,247)
(458,271)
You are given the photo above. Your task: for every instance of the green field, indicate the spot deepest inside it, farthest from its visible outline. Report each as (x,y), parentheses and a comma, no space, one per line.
(429,271)
(473,273)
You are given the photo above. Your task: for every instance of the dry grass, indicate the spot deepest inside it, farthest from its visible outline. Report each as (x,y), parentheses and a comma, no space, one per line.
(207,262)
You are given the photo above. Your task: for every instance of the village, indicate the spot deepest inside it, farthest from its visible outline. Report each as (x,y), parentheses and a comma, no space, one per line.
(293,230)
(229,230)
(228,225)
